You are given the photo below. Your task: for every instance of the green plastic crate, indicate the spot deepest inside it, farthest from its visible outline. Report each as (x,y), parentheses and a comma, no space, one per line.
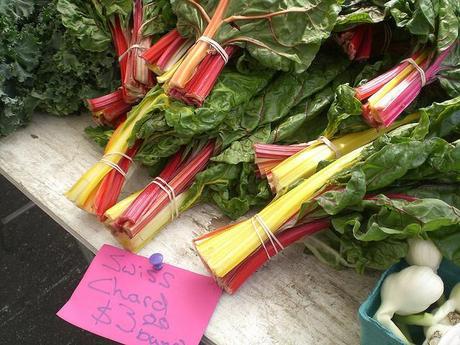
(372,333)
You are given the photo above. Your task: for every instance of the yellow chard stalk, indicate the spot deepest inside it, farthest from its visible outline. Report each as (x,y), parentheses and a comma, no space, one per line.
(83,190)
(375,98)
(164,77)
(304,163)
(226,249)
(116,210)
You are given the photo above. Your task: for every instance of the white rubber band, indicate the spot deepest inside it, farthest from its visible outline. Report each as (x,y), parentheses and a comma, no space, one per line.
(268,232)
(118,154)
(254,225)
(217,47)
(329,144)
(418,68)
(114,166)
(171,195)
(134,46)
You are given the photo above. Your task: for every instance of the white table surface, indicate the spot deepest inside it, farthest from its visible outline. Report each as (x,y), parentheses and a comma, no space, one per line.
(294,299)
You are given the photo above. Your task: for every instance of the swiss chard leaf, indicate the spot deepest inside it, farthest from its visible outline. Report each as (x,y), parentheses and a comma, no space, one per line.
(158,17)
(287,40)
(434,22)
(449,193)
(344,115)
(234,188)
(372,233)
(100,135)
(359,13)
(371,230)
(449,76)
(231,90)
(448,242)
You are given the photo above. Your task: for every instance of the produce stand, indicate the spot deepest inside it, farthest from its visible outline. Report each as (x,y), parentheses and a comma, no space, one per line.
(294,299)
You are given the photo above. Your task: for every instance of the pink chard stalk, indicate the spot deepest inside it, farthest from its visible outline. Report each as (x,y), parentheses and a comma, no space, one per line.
(388,95)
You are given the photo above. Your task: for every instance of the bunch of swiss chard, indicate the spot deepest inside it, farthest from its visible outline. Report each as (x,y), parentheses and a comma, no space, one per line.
(280,35)
(372,199)
(130,26)
(178,141)
(248,105)
(206,153)
(424,35)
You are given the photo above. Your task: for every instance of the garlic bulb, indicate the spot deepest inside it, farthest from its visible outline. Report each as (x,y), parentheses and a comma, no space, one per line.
(435,333)
(451,337)
(423,253)
(451,305)
(410,291)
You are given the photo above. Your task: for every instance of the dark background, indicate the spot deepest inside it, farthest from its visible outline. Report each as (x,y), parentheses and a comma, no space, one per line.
(40,266)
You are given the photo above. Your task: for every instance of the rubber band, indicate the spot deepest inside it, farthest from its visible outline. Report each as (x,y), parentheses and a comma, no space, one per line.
(260,238)
(325,141)
(171,195)
(329,144)
(118,154)
(268,232)
(134,46)
(418,68)
(217,47)
(114,166)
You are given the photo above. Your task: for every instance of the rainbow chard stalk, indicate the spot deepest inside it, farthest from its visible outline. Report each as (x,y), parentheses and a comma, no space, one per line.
(204,79)
(84,190)
(356,42)
(110,187)
(225,249)
(258,29)
(232,281)
(199,51)
(137,219)
(147,197)
(138,79)
(284,165)
(391,93)
(108,109)
(120,41)
(365,48)
(166,54)
(268,156)
(111,109)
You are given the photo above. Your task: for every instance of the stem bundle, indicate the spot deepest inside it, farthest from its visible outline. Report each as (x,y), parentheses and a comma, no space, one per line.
(224,249)
(291,163)
(391,93)
(356,42)
(142,216)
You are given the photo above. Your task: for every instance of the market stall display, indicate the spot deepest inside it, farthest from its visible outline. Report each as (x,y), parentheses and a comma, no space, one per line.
(287,113)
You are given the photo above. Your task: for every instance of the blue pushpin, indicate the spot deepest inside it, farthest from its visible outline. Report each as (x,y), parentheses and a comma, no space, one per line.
(156,260)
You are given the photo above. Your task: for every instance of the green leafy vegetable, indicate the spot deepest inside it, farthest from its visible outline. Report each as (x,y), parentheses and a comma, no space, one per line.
(431,21)
(100,135)
(371,231)
(288,40)
(42,67)
(85,22)
(358,12)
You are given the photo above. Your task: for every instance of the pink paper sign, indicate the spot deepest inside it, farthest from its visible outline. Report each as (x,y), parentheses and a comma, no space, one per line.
(121,297)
